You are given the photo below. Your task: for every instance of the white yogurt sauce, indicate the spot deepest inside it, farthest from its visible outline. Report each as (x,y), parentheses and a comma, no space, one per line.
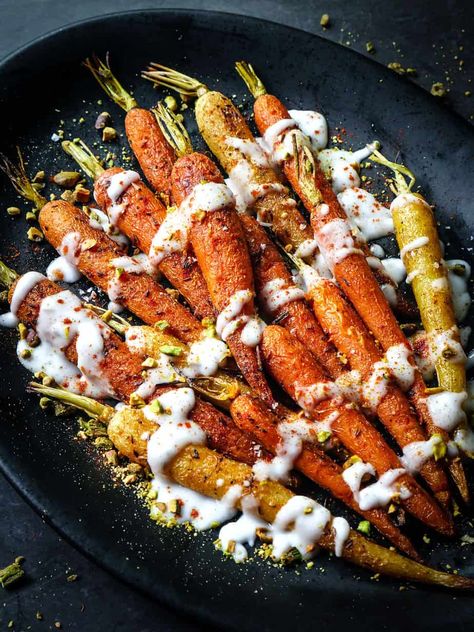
(172,236)
(118,184)
(276,293)
(313,125)
(416,453)
(231,318)
(336,242)
(64,268)
(446,409)
(342,166)
(372,218)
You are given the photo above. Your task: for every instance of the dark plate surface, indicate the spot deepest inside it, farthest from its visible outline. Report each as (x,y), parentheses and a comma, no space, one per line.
(42,85)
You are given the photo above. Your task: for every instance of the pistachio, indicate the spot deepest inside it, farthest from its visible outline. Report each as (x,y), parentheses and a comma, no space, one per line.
(130,479)
(324,21)
(82,194)
(44,403)
(67,179)
(364,527)
(172,350)
(396,67)
(13,210)
(136,401)
(22,331)
(109,134)
(88,244)
(34,234)
(156,407)
(161,324)
(438,89)
(171,103)
(31,216)
(370,48)
(149,363)
(111,457)
(25,354)
(174,507)
(103,120)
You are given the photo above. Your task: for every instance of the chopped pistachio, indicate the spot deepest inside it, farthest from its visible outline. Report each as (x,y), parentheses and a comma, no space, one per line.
(67,179)
(323,435)
(364,527)
(71,578)
(81,194)
(351,460)
(324,21)
(411,72)
(370,48)
(22,331)
(439,450)
(308,510)
(109,134)
(467,93)
(438,89)
(31,216)
(136,401)
(149,363)
(34,234)
(47,380)
(103,443)
(130,479)
(174,507)
(25,353)
(111,457)
(161,324)
(68,196)
(172,350)
(119,272)
(13,210)
(156,407)
(39,616)
(87,244)
(426,539)
(172,292)
(396,67)
(171,103)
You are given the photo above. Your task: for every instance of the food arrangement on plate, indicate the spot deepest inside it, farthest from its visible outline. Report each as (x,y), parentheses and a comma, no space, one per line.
(272,333)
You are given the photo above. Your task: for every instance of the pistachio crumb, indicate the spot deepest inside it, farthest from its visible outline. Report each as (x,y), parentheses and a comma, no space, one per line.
(438,89)
(324,21)
(13,210)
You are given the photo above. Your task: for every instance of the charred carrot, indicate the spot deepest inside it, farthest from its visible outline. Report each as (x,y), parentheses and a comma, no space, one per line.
(229,138)
(123,371)
(101,260)
(138,214)
(276,295)
(253,417)
(154,154)
(292,366)
(344,257)
(209,473)
(218,241)
(349,334)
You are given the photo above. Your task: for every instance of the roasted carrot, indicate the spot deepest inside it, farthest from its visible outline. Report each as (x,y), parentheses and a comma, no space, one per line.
(138,291)
(293,366)
(219,121)
(253,417)
(153,152)
(123,370)
(350,267)
(141,216)
(209,473)
(296,316)
(219,244)
(349,334)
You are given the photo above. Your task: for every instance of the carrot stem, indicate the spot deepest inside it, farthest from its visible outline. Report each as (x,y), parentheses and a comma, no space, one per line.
(109,83)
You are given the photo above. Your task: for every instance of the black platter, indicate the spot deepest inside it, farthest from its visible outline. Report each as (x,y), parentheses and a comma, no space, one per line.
(42,84)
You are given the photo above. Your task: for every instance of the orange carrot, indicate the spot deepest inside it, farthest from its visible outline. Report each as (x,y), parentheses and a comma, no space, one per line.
(352,272)
(141,218)
(123,371)
(219,244)
(253,417)
(295,316)
(138,292)
(292,366)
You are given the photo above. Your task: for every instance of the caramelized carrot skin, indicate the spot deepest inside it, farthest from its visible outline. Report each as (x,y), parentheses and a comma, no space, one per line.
(295,316)
(153,152)
(220,247)
(253,417)
(350,335)
(139,292)
(123,370)
(268,110)
(142,216)
(294,367)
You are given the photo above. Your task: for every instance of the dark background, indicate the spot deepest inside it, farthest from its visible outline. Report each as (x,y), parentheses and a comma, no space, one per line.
(435,38)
